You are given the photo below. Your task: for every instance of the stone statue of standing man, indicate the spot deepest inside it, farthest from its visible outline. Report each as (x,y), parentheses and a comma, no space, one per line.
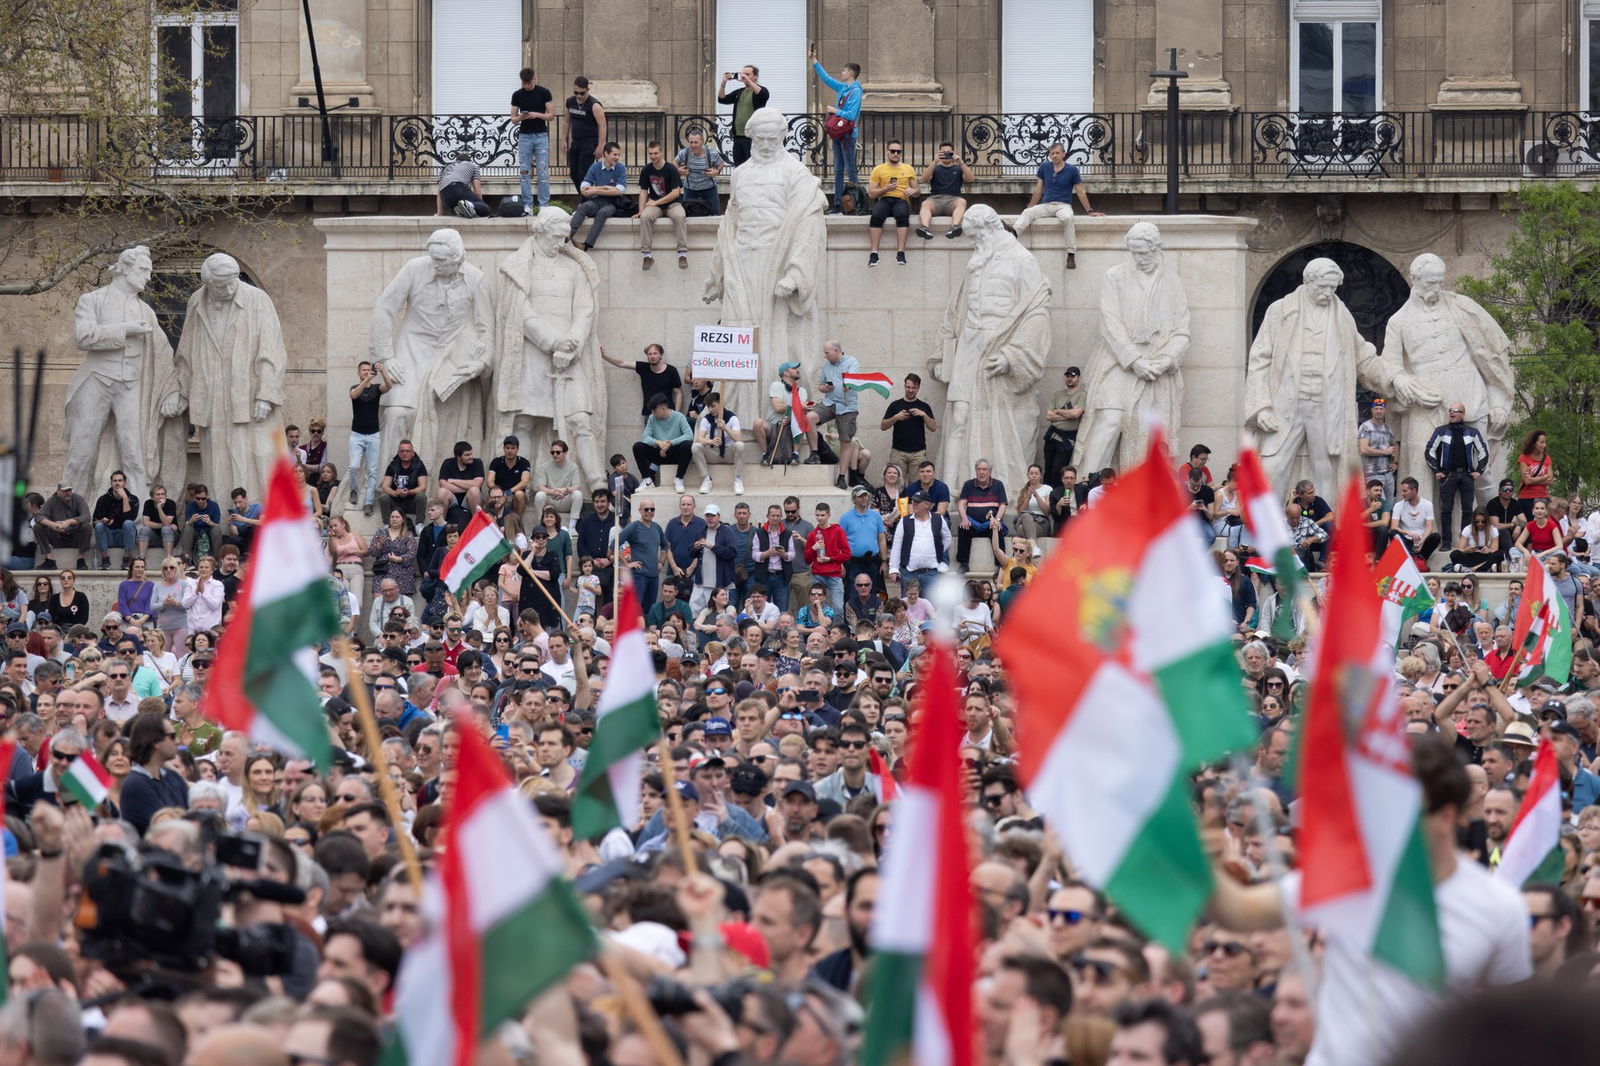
(995,339)
(549,381)
(1442,348)
(1136,370)
(1300,380)
(127,360)
(768,260)
(228,373)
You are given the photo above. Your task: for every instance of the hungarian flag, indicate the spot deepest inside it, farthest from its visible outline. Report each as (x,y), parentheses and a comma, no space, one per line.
(799,421)
(1533,850)
(882,384)
(1121,658)
(1404,594)
(504,925)
(265,678)
(87,780)
(1543,629)
(627,723)
(481,547)
(888,788)
(8,750)
(1363,864)
(1271,537)
(1267,568)
(923,946)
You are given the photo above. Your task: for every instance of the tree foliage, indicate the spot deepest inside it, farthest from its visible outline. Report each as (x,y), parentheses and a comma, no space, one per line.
(87,116)
(1545,292)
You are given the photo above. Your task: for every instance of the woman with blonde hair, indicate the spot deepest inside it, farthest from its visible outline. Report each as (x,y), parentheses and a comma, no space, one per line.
(260,787)
(346,550)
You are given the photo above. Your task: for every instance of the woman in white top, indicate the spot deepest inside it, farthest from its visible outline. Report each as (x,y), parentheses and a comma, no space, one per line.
(203,599)
(973,617)
(1033,506)
(158,658)
(485,613)
(1229,522)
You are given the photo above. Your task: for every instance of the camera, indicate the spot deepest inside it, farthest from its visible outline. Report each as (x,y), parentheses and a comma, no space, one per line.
(144,909)
(670,998)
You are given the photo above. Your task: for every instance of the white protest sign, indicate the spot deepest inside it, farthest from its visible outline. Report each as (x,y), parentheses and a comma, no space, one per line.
(725,353)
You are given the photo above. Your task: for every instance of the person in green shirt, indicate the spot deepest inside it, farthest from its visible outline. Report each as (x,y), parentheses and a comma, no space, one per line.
(667,438)
(669,606)
(749,97)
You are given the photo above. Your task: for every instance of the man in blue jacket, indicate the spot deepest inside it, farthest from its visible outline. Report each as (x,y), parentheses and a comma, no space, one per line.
(847,107)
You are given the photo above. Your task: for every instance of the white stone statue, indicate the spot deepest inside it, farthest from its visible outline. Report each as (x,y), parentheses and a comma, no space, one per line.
(767,265)
(1300,380)
(438,354)
(994,341)
(228,373)
(1137,366)
(549,380)
(1442,348)
(127,359)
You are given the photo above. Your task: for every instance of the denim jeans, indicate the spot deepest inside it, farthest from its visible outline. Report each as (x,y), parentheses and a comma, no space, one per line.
(835,587)
(710,197)
(776,582)
(533,149)
(123,535)
(646,586)
(923,578)
(844,161)
(363,454)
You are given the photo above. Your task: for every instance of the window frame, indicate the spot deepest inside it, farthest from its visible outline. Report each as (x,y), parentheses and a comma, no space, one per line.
(1336,13)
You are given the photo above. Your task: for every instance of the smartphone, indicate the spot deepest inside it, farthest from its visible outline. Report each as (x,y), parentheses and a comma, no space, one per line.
(503,731)
(808,695)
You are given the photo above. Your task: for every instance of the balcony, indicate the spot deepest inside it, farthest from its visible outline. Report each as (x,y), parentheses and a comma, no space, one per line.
(1118,152)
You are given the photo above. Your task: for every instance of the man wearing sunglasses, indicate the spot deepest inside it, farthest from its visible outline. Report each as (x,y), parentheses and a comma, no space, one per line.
(45,785)
(851,779)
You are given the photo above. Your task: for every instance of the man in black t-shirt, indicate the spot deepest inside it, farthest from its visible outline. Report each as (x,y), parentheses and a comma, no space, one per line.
(530,107)
(405,484)
(364,433)
(655,375)
(461,479)
(1505,512)
(909,420)
(944,178)
(584,131)
(511,473)
(661,193)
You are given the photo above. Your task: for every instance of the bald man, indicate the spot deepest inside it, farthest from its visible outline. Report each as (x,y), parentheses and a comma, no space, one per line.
(238,1045)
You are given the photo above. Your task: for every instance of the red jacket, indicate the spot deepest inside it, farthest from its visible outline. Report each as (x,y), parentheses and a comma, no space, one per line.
(830,542)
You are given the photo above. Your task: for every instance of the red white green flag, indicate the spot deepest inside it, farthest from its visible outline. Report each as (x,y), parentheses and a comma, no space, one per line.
(882,384)
(1533,850)
(627,723)
(1364,872)
(1401,588)
(1121,658)
(799,421)
(8,749)
(1271,537)
(1543,629)
(265,679)
(888,788)
(504,924)
(87,780)
(923,946)
(476,553)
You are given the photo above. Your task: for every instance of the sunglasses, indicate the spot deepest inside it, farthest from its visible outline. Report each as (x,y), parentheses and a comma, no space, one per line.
(1100,968)
(648,510)
(1070,917)
(852,745)
(716,692)
(1231,948)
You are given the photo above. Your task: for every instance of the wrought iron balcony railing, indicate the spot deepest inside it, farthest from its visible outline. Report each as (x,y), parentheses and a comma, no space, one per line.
(1109,147)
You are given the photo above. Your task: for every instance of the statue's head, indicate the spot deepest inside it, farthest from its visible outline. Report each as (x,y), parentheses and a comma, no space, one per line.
(447,251)
(220,276)
(765,130)
(1324,277)
(1143,242)
(134,267)
(548,229)
(1427,277)
(983,222)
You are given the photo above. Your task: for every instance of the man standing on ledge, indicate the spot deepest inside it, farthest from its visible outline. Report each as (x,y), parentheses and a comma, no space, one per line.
(749,97)
(847,107)
(1052,196)
(530,106)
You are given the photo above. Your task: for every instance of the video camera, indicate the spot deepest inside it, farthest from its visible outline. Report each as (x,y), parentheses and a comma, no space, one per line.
(147,909)
(671,998)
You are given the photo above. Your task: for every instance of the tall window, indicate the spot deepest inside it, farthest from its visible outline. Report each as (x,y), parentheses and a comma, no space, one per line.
(1047,56)
(1335,55)
(1589,58)
(196,60)
(770,35)
(477,51)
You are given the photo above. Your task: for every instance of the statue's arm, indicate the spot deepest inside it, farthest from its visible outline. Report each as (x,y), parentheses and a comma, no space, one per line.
(272,357)
(385,313)
(91,334)
(1113,331)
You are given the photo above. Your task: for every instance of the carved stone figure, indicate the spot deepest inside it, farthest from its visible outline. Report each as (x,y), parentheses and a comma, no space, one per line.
(228,372)
(768,260)
(995,338)
(127,360)
(1442,348)
(549,380)
(1137,365)
(1300,380)
(440,351)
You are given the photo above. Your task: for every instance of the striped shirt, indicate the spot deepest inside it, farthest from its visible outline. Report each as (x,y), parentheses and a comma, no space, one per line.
(697,166)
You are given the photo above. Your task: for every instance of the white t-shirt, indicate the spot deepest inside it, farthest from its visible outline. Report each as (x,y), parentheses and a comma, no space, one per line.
(1368,1009)
(563,674)
(780,392)
(704,427)
(1413,517)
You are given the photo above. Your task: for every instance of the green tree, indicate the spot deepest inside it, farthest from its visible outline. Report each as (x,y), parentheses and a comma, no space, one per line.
(1545,292)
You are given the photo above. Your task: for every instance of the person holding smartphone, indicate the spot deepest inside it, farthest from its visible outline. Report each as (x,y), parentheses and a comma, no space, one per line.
(944,178)
(893,183)
(746,98)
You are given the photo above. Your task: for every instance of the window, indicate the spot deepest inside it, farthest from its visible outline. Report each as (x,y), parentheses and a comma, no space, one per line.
(771,35)
(477,51)
(1047,56)
(1589,58)
(1335,60)
(195,80)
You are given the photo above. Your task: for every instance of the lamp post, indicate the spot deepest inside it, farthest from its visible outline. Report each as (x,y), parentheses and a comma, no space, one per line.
(328,154)
(1172,74)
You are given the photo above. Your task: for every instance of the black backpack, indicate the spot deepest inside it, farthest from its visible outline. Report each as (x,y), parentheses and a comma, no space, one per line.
(855,200)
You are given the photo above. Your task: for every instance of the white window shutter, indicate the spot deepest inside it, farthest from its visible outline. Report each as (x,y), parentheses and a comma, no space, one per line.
(477,51)
(1047,56)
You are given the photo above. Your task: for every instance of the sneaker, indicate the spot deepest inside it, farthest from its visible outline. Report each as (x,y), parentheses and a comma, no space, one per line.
(840,483)
(354,497)
(367,510)
(872,259)
(813,460)
(465,210)
(738,486)
(1072,261)
(705,486)
(925,233)
(649,261)
(683,261)
(677,485)
(900,257)
(953,232)
(647,484)
(766,460)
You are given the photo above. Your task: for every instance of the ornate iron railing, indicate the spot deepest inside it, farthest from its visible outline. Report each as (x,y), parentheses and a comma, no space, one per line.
(1111,146)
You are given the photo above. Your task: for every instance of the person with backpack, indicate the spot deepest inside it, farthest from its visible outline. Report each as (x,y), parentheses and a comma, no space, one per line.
(843,116)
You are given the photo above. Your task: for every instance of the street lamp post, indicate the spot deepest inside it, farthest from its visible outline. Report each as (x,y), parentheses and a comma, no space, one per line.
(1172,74)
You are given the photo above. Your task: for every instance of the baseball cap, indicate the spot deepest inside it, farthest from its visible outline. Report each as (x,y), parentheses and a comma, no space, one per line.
(1507,483)
(1520,733)
(1553,709)
(919,497)
(801,787)
(713,761)
(1378,401)
(62,486)
(783,367)
(859,490)
(688,791)
(1564,728)
(712,508)
(1549,684)
(1071,370)
(16,629)
(512,440)
(718,727)
(541,533)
